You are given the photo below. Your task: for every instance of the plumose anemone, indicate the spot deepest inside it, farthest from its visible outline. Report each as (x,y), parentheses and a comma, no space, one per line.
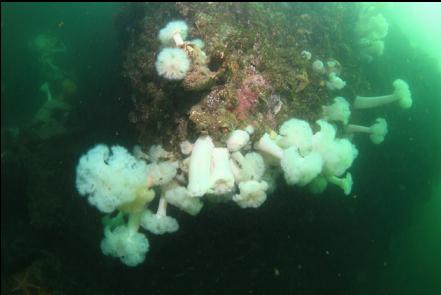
(401,94)
(172,63)
(376,132)
(338,111)
(174,33)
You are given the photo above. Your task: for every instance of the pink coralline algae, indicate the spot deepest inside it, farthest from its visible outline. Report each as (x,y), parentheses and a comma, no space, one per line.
(247,95)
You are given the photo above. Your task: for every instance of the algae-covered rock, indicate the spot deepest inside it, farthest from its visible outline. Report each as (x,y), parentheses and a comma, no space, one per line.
(248,66)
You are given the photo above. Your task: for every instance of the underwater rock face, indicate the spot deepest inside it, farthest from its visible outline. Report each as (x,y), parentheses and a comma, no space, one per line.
(248,93)
(250,50)
(199,78)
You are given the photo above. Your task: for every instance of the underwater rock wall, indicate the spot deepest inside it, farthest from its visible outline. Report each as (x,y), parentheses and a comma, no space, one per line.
(256,72)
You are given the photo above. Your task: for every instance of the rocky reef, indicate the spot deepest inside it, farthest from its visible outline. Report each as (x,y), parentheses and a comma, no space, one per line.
(255,71)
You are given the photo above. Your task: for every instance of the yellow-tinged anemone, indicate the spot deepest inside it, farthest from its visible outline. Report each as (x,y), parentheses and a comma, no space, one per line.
(273,134)
(143,196)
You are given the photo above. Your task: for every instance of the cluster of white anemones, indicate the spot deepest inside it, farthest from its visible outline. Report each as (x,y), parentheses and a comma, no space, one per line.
(340,109)
(236,170)
(332,69)
(371,29)
(115,180)
(173,62)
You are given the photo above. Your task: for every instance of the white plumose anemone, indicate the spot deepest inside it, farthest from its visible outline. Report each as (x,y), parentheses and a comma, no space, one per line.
(344,183)
(221,176)
(198,43)
(252,194)
(338,111)
(401,94)
(172,63)
(237,140)
(371,29)
(110,177)
(199,176)
(306,54)
(159,223)
(376,132)
(250,167)
(178,196)
(372,48)
(318,185)
(125,243)
(295,132)
(269,147)
(300,170)
(318,66)
(338,154)
(161,173)
(174,33)
(339,157)
(186,147)
(335,82)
